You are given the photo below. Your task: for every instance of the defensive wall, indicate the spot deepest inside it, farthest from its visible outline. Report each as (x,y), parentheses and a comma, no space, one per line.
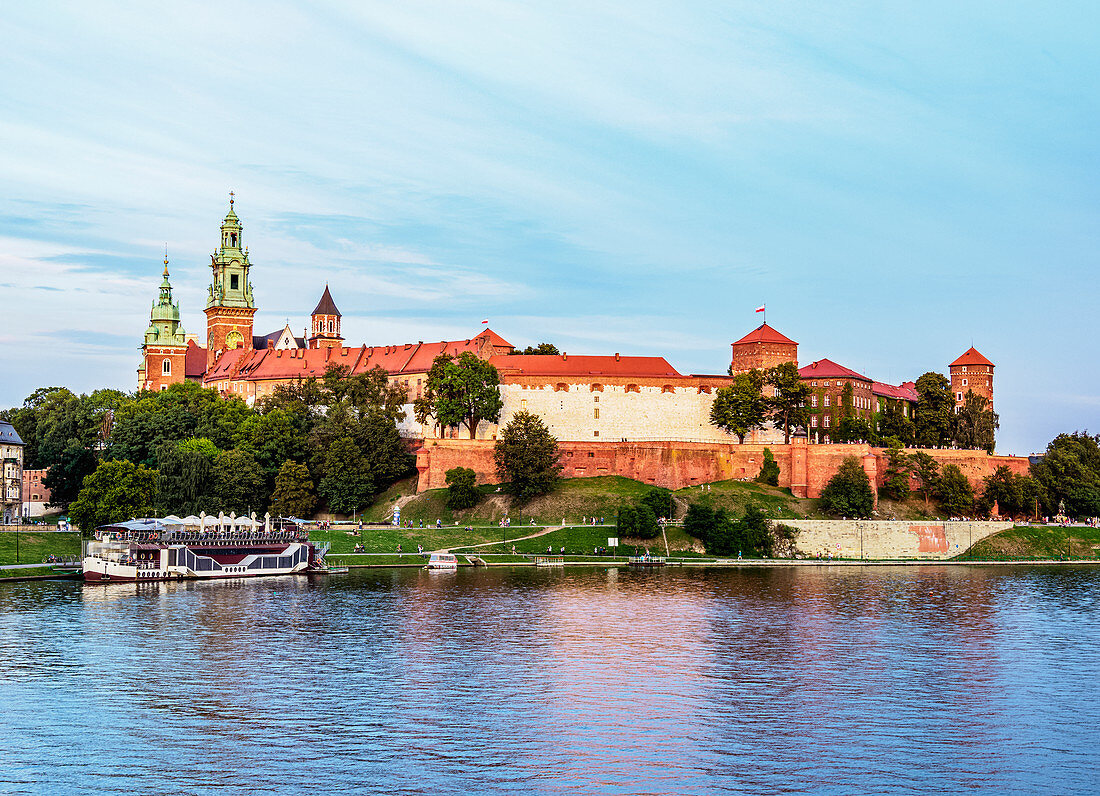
(877,539)
(804,468)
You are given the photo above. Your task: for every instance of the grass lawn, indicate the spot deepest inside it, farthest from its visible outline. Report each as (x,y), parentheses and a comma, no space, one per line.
(580,541)
(30,572)
(736,496)
(36,545)
(1031,542)
(385,539)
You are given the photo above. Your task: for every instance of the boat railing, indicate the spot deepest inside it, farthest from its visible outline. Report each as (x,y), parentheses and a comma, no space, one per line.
(201,537)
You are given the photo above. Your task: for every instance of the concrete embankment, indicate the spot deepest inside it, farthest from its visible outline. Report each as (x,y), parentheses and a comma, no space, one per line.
(931,540)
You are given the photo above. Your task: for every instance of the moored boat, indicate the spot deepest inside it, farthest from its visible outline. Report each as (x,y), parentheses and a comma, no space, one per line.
(151,550)
(442,561)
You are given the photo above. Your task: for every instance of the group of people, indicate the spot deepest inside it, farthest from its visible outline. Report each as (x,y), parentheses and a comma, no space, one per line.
(589,521)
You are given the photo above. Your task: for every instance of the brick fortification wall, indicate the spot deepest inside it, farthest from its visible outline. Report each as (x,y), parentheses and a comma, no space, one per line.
(805,469)
(877,539)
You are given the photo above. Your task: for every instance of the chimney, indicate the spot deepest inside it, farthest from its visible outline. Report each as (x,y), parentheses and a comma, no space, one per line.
(616,356)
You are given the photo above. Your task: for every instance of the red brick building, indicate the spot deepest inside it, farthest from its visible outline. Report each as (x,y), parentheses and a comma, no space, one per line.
(762,348)
(971,372)
(829,397)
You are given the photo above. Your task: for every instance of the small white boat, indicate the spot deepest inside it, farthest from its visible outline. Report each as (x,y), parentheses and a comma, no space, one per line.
(442,561)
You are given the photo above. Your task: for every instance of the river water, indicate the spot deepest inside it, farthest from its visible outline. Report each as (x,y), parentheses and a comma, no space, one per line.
(818,680)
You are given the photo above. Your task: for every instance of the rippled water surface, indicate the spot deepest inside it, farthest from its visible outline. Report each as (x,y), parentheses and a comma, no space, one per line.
(825,680)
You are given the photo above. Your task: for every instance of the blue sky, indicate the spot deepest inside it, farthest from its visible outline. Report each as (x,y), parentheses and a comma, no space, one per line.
(896,181)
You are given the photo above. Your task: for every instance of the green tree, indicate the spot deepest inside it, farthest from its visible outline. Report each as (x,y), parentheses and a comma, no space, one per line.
(747,536)
(934,419)
(659,501)
(185,477)
(699,520)
(976,423)
(848,493)
(787,407)
(1069,474)
(769,470)
(66,475)
(526,456)
(893,423)
(462,391)
(637,522)
(895,478)
(239,483)
(118,490)
(273,438)
(954,492)
(927,471)
(741,407)
(293,495)
(462,488)
(346,485)
(543,349)
(1014,495)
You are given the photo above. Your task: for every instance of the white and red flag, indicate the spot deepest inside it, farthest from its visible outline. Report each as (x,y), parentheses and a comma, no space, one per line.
(485,321)
(759,309)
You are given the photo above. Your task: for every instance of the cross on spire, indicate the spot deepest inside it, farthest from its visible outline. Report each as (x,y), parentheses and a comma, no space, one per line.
(230,198)
(165,259)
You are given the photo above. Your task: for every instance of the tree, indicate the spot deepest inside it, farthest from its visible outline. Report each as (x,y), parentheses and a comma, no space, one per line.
(1069,474)
(293,495)
(895,483)
(787,407)
(346,485)
(542,349)
(364,392)
(699,520)
(741,407)
(955,494)
(659,501)
(747,536)
(239,483)
(852,429)
(976,423)
(66,475)
(638,522)
(935,411)
(462,391)
(526,456)
(848,493)
(769,470)
(927,471)
(118,490)
(1013,494)
(892,422)
(462,488)
(273,438)
(185,477)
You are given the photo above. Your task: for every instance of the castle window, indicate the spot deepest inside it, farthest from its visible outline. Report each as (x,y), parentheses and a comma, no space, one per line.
(330,327)
(163,387)
(596,388)
(668,388)
(964,382)
(826,402)
(233,282)
(597,413)
(813,401)
(813,422)
(561,386)
(632,388)
(166,367)
(826,421)
(595,433)
(964,368)
(704,388)
(523,403)
(233,238)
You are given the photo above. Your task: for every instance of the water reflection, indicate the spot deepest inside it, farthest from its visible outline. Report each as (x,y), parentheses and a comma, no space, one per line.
(844,679)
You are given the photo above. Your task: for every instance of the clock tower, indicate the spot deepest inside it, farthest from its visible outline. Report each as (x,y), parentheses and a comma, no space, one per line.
(229,303)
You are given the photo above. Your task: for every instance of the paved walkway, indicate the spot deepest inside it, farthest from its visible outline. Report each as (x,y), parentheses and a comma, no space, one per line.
(543,532)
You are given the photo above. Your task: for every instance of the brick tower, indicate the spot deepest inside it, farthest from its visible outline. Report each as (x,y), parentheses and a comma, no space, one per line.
(229,304)
(762,348)
(164,350)
(326,324)
(971,372)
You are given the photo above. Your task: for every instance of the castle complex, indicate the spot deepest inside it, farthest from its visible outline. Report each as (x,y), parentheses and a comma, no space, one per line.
(607,399)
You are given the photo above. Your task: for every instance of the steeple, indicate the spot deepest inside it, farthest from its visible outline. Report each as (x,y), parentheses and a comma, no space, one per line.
(229,302)
(164,346)
(326,323)
(164,317)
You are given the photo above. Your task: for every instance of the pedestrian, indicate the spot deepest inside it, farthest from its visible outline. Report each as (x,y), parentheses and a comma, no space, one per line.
(399,549)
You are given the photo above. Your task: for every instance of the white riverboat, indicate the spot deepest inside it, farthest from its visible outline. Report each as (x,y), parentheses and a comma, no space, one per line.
(446,561)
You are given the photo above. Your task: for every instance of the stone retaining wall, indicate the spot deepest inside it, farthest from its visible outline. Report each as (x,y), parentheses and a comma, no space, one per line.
(932,540)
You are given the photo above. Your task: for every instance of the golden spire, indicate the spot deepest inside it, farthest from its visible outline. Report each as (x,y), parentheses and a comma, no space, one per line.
(165,260)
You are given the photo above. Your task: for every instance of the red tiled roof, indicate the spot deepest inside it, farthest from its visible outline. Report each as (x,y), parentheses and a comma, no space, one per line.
(903,392)
(827,369)
(971,357)
(194,361)
(584,366)
(765,334)
(306,362)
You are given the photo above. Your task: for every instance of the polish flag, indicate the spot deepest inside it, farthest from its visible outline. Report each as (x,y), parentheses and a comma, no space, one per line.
(485,321)
(759,309)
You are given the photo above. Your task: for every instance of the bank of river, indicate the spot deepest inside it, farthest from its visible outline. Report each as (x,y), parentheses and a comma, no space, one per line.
(822,679)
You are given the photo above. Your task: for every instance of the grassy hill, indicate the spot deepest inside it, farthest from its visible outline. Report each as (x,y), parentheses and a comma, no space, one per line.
(1036,542)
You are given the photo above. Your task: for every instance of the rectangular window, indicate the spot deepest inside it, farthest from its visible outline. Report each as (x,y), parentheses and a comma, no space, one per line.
(826,400)
(233,282)
(813,401)
(597,399)
(597,411)
(595,433)
(523,403)
(964,382)
(826,423)
(813,422)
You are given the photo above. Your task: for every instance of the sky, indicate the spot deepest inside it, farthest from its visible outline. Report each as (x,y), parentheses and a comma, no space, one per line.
(896,181)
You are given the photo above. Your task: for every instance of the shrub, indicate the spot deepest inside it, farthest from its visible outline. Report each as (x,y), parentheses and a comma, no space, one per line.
(848,493)
(769,470)
(461,488)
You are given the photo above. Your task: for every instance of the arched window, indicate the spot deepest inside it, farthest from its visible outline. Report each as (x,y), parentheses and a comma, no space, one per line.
(330,327)
(166,367)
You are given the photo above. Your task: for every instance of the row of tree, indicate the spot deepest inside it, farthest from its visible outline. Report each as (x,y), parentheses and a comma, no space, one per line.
(1064,481)
(779,396)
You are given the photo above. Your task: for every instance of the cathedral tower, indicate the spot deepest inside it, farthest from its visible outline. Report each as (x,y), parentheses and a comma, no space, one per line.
(326,324)
(229,304)
(164,350)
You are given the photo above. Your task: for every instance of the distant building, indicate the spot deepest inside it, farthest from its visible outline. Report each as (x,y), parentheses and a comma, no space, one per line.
(36,496)
(971,372)
(762,348)
(11,470)
(828,381)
